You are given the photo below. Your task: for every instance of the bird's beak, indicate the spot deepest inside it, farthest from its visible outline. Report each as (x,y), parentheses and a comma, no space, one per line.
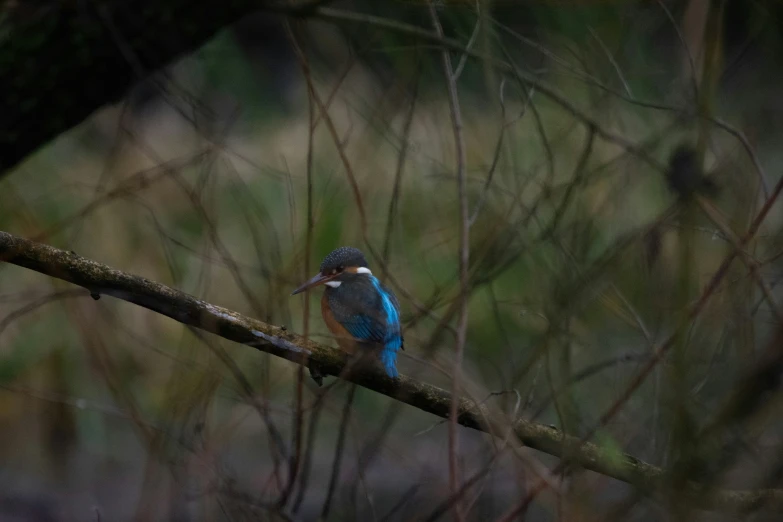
(316,280)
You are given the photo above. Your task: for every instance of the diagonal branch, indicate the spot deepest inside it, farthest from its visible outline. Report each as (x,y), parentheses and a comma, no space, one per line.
(101,279)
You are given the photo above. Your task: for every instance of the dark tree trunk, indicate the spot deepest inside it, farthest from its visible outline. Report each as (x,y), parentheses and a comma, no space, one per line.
(61,60)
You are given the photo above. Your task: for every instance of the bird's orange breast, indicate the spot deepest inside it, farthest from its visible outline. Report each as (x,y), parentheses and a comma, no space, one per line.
(344,338)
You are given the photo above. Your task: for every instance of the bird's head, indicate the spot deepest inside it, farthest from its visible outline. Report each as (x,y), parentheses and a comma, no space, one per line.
(339,266)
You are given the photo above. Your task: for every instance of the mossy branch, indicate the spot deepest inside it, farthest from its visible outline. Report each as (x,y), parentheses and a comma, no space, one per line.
(99,279)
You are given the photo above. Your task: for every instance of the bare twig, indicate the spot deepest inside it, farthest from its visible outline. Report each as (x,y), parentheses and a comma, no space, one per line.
(312,432)
(462,320)
(323,112)
(338,453)
(612,61)
(750,262)
(401,158)
(576,180)
(685,46)
(299,385)
(38,303)
(499,146)
(464,58)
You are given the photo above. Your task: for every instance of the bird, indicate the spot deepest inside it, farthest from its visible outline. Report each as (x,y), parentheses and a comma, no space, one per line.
(359,311)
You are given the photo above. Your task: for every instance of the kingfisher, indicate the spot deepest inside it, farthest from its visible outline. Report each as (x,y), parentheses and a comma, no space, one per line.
(359,311)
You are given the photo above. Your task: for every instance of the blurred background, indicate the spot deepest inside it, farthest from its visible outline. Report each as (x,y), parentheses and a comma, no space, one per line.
(589,250)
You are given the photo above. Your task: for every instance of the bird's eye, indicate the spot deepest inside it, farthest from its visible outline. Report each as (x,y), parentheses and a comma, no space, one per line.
(334,270)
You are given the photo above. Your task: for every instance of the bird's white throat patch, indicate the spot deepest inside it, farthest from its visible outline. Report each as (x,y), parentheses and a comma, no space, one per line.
(333,284)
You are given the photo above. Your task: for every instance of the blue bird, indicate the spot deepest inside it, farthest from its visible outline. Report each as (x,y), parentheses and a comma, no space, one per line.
(359,311)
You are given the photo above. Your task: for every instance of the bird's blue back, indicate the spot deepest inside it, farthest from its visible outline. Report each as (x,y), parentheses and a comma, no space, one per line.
(370,313)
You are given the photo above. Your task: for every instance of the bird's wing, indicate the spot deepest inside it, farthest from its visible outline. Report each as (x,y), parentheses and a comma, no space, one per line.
(364,327)
(363,314)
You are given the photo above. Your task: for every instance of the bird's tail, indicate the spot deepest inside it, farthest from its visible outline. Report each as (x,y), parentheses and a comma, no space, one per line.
(389,361)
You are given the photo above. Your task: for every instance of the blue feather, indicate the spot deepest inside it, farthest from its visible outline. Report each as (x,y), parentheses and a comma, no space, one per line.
(389,361)
(360,327)
(392,340)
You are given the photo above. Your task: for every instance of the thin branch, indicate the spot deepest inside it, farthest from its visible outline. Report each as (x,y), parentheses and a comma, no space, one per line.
(38,303)
(685,47)
(576,180)
(612,61)
(279,450)
(463,258)
(323,112)
(401,158)
(299,386)
(464,58)
(407,496)
(499,145)
(338,453)
(311,438)
(750,262)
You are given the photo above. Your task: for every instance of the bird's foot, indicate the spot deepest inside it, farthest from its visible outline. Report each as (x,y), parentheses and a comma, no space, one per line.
(316,374)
